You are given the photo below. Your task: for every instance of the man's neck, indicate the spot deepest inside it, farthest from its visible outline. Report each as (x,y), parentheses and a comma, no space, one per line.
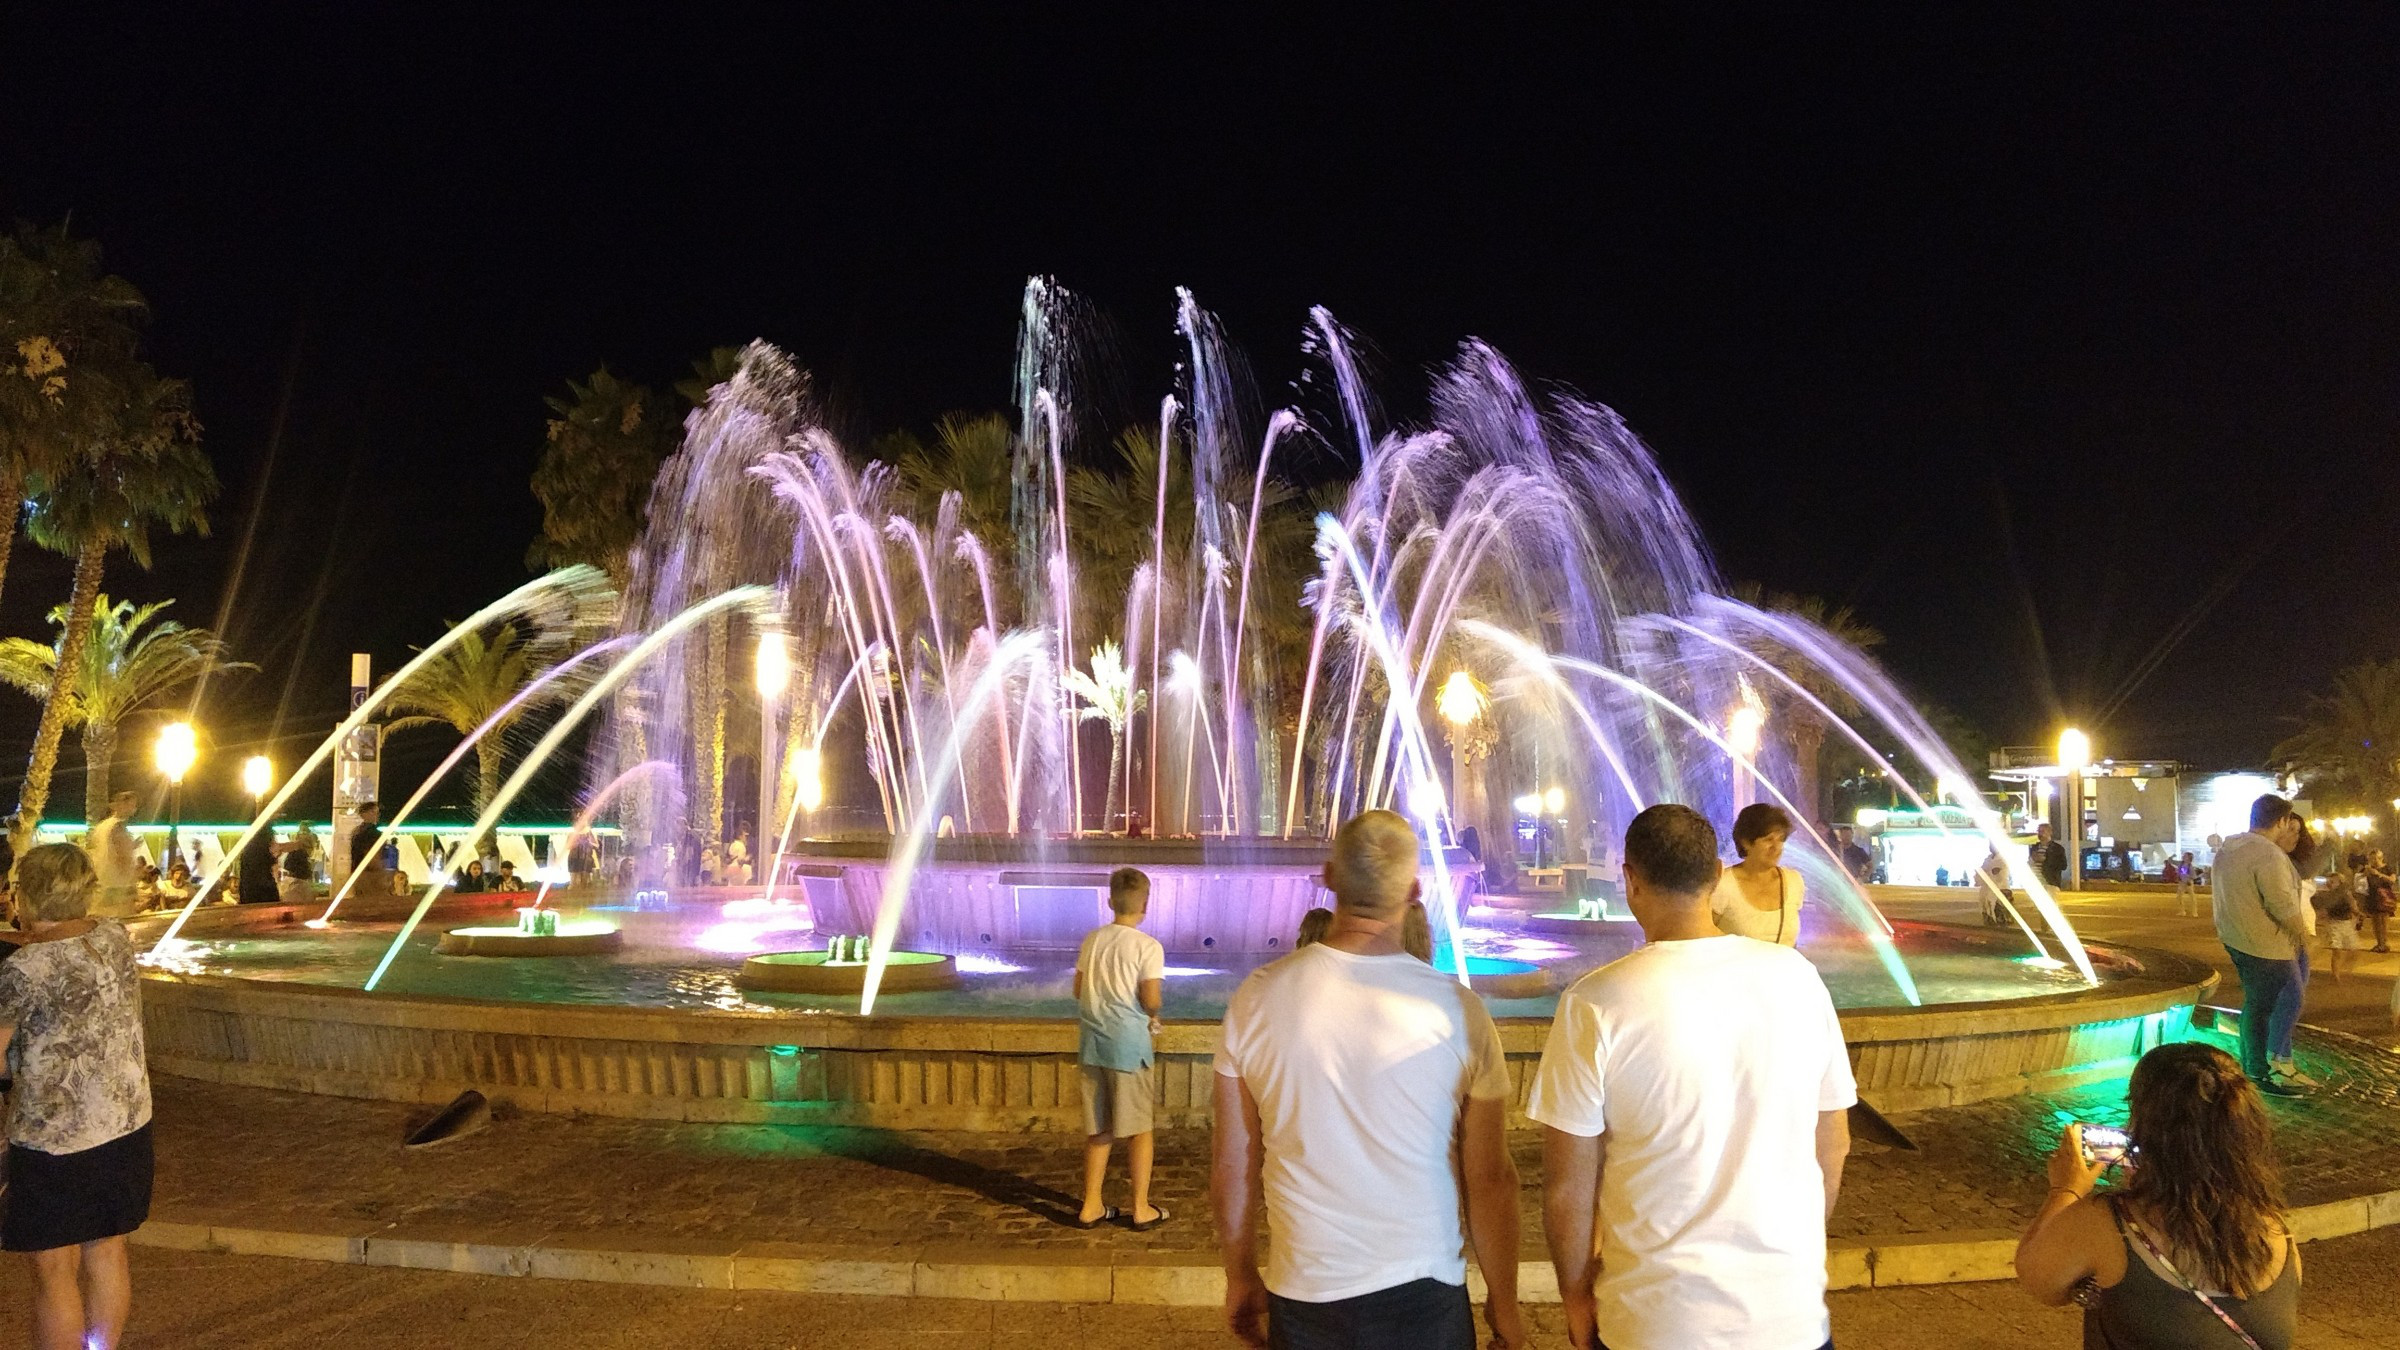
(1126,921)
(1361,936)
(1687,922)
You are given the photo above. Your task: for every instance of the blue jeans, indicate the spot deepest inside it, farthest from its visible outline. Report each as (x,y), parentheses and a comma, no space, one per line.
(2287,1011)
(2268,984)
(1419,1315)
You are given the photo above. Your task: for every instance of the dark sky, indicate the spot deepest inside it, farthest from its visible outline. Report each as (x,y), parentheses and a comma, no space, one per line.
(2033,340)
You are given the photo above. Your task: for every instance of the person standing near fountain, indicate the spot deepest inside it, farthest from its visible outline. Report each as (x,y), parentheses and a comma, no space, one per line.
(364,857)
(1360,1090)
(2049,857)
(1120,975)
(114,856)
(1694,1098)
(2256,896)
(79,1157)
(1759,897)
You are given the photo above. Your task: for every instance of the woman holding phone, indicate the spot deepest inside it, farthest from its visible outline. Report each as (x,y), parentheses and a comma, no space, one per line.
(2191,1248)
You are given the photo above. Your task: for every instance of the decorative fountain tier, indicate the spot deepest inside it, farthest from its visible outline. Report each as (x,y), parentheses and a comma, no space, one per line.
(997,896)
(548,935)
(819,973)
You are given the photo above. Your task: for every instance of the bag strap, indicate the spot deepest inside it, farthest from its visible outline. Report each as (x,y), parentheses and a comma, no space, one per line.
(2134,1230)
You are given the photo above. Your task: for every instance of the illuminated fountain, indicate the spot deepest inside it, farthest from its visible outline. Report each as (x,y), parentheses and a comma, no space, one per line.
(968,712)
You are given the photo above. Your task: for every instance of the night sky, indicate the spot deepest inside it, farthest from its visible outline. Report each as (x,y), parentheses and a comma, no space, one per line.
(2053,349)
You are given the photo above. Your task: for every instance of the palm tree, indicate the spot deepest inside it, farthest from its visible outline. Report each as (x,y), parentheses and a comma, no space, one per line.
(2350,738)
(147,471)
(973,455)
(1803,726)
(466,687)
(1108,696)
(128,663)
(68,333)
(595,474)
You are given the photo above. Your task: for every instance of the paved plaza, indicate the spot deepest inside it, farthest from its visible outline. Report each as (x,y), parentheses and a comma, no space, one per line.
(208,1302)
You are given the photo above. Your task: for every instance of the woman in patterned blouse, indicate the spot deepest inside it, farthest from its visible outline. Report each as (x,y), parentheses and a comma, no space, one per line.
(79,1161)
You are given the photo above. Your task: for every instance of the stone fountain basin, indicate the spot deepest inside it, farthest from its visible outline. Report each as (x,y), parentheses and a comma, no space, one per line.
(988,1073)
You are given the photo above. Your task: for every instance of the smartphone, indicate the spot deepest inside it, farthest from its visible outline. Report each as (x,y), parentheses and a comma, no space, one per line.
(2105,1145)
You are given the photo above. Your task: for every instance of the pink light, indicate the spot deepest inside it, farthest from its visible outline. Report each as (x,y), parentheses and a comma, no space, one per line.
(740,937)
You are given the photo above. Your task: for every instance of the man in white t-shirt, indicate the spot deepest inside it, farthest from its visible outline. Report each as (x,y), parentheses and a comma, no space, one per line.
(1119,974)
(1694,1097)
(1360,1091)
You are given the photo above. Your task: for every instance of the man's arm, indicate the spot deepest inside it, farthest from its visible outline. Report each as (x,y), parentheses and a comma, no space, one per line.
(1570,1206)
(1152,995)
(2279,894)
(1234,1190)
(1833,1149)
(1490,1175)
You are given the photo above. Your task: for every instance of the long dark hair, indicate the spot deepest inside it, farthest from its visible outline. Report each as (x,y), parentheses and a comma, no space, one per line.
(2207,1177)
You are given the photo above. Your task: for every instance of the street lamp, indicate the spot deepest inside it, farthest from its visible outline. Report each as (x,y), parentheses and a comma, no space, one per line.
(177,747)
(1462,703)
(1745,727)
(773,676)
(258,777)
(2074,756)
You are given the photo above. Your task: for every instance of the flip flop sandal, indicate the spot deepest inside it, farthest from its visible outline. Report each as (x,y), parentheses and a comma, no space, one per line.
(1163,1216)
(1110,1214)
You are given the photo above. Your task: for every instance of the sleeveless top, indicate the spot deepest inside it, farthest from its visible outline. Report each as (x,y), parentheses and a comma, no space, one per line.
(1736,915)
(2147,1311)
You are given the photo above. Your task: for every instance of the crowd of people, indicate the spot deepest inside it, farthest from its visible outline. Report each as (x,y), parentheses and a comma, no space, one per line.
(1694,1099)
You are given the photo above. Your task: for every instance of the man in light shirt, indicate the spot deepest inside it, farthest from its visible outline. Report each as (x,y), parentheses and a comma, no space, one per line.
(115,857)
(1360,1091)
(1120,972)
(2260,919)
(1694,1097)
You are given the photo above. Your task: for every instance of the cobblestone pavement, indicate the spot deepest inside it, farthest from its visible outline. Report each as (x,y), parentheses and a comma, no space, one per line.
(207,1302)
(275,1160)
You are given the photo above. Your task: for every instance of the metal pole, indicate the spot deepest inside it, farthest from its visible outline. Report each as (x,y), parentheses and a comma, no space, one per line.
(2074,831)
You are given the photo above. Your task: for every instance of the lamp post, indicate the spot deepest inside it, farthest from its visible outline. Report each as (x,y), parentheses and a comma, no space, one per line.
(2074,755)
(178,746)
(1745,728)
(1462,703)
(774,675)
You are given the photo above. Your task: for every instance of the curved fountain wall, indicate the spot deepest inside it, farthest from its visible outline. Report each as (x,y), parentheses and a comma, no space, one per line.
(990,1074)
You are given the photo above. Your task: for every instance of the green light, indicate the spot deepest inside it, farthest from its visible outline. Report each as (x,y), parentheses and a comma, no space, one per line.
(783,1051)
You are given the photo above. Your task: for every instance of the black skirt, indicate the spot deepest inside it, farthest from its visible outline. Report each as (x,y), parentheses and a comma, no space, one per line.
(66,1199)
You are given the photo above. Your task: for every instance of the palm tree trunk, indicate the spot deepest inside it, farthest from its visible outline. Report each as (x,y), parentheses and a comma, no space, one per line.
(1116,748)
(487,771)
(88,566)
(1808,747)
(99,754)
(12,498)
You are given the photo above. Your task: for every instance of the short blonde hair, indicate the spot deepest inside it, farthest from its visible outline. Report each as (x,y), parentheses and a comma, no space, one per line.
(1374,864)
(55,883)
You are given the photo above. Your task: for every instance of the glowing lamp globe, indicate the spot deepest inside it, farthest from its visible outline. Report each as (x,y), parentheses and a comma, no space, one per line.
(177,747)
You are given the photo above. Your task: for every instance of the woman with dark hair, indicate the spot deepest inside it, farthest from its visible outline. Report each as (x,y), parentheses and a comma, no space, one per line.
(2191,1250)
(79,1159)
(1759,897)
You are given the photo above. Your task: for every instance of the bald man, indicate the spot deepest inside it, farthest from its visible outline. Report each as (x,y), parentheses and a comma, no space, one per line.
(1359,1090)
